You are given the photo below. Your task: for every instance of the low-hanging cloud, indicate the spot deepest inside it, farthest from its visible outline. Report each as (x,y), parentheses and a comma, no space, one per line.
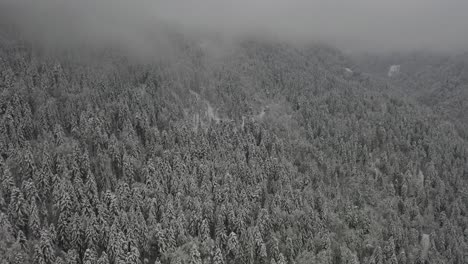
(353,25)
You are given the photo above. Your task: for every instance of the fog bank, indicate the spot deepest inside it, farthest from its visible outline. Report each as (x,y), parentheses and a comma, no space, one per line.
(352,25)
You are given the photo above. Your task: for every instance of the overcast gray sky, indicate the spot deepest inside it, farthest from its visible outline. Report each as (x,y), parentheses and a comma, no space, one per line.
(353,25)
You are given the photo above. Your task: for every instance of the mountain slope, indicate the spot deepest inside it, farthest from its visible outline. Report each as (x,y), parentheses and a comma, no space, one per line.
(268,153)
(436,80)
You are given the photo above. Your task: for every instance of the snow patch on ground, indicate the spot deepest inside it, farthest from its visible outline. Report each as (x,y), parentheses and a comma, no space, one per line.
(202,112)
(211,113)
(197,96)
(261,114)
(425,244)
(348,72)
(393,70)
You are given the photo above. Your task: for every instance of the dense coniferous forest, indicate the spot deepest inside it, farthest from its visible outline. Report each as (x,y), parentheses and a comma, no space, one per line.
(268,153)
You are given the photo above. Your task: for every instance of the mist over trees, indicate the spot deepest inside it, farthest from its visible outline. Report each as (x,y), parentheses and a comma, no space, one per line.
(130,137)
(357,25)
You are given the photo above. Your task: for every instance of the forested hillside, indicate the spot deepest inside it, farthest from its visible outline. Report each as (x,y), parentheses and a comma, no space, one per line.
(436,80)
(266,153)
